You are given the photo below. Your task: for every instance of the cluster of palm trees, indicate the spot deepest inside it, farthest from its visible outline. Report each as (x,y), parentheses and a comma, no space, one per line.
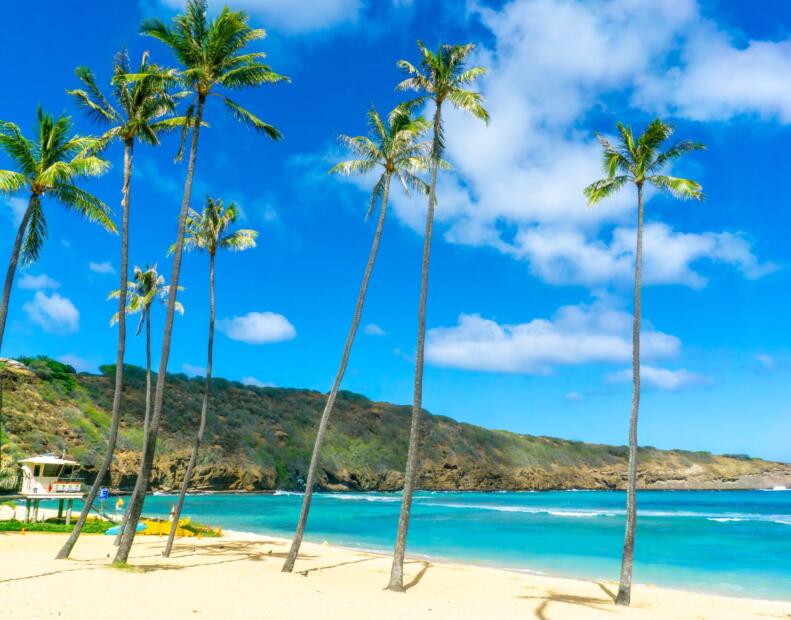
(214,59)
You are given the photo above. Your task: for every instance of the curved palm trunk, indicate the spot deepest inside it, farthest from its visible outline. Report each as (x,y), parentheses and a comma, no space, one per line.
(288,566)
(119,363)
(203,414)
(146,417)
(410,474)
(136,507)
(625,586)
(9,277)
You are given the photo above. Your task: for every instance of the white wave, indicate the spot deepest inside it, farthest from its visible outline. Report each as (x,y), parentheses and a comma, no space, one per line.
(363,497)
(279,492)
(726,519)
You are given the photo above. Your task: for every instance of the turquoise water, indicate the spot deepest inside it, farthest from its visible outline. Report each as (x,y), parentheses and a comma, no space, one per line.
(730,542)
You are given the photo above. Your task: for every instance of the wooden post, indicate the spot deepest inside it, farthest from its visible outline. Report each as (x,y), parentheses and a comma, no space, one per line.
(60,509)
(68,511)
(27,509)
(36,503)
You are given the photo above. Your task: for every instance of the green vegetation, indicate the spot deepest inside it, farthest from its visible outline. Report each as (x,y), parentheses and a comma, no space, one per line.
(262,438)
(92,526)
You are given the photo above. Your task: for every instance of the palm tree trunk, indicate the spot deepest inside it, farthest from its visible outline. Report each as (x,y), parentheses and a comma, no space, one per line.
(410,474)
(203,414)
(136,507)
(625,586)
(146,417)
(119,362)
(288,566)
(9,277)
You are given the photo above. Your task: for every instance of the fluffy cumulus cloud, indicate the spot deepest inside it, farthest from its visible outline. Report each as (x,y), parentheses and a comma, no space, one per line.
(766,361)
(104,267)
(34,283)
(574,335)
(54,313)
(289,16)
(718,78)
(663,378)
(517,184)
(258,328)
(565,256)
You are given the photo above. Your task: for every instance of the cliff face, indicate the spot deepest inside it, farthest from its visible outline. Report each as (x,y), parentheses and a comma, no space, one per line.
(261,439)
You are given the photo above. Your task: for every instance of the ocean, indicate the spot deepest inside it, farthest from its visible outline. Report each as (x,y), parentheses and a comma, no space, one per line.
(728,542)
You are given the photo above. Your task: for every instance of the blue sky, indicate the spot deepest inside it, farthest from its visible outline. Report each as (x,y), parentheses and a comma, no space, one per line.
(530,290)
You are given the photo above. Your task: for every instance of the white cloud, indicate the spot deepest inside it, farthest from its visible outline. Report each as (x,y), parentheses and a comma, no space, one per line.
(193,371)
(104,267)
(573,397)
(574,335)
(567,256)
(372,329)
(289,16)
(662,378)
(256,382)
(78,363)
(258,328)
(53,313)
(718,79)
(34,283)
(517,184)
(766,361)
(17,206)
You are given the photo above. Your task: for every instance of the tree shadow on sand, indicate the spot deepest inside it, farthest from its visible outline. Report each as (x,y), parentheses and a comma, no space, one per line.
(590,602)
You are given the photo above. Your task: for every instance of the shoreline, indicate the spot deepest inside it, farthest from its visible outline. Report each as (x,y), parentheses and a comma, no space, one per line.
(239,576)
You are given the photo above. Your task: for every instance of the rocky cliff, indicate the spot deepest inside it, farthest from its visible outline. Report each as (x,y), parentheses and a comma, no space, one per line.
(261,438)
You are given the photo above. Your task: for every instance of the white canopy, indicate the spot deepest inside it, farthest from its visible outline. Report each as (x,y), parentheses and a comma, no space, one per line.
(47,459)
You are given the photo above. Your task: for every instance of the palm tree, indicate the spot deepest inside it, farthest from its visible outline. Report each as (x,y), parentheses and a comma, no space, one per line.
(442,77)
(141,106)
(49,166)
(639,162)
(208,231)
(213,55)
(145,288)
(395,149)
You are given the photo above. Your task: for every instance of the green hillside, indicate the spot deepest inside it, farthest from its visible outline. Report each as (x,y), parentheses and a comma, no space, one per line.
(261,438)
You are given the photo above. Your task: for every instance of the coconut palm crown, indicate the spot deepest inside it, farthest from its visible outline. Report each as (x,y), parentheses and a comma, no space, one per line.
(143,100)
(143,290)
(50,166)
(208,230)
(211,53)
(394,147)
(441,77)
(640,161)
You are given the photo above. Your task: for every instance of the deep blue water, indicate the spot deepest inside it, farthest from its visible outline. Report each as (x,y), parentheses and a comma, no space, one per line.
(731,542)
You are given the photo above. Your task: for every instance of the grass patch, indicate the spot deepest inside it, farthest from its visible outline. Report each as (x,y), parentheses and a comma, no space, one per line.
(94,526)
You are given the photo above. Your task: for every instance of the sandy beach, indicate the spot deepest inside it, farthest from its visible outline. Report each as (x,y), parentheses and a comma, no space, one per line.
(238,576)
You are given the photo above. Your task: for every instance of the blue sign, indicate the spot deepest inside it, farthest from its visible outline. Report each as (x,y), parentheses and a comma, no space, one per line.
(104,493)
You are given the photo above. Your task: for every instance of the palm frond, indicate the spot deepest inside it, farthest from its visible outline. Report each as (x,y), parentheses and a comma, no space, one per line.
(11,182)
(684,189)
(598,190)
(249,119)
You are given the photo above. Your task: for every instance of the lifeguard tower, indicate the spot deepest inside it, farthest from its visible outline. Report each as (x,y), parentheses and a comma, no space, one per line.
(48,477)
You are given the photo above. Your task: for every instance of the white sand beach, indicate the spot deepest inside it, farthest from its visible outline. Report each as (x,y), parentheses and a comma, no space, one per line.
(238,576)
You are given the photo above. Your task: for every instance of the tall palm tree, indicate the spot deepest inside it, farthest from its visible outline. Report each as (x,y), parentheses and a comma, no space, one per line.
(48,166)
(208,231)
(393,149)
(442,77)
(139,112)
(639,162)
(213,56)
(142,291)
